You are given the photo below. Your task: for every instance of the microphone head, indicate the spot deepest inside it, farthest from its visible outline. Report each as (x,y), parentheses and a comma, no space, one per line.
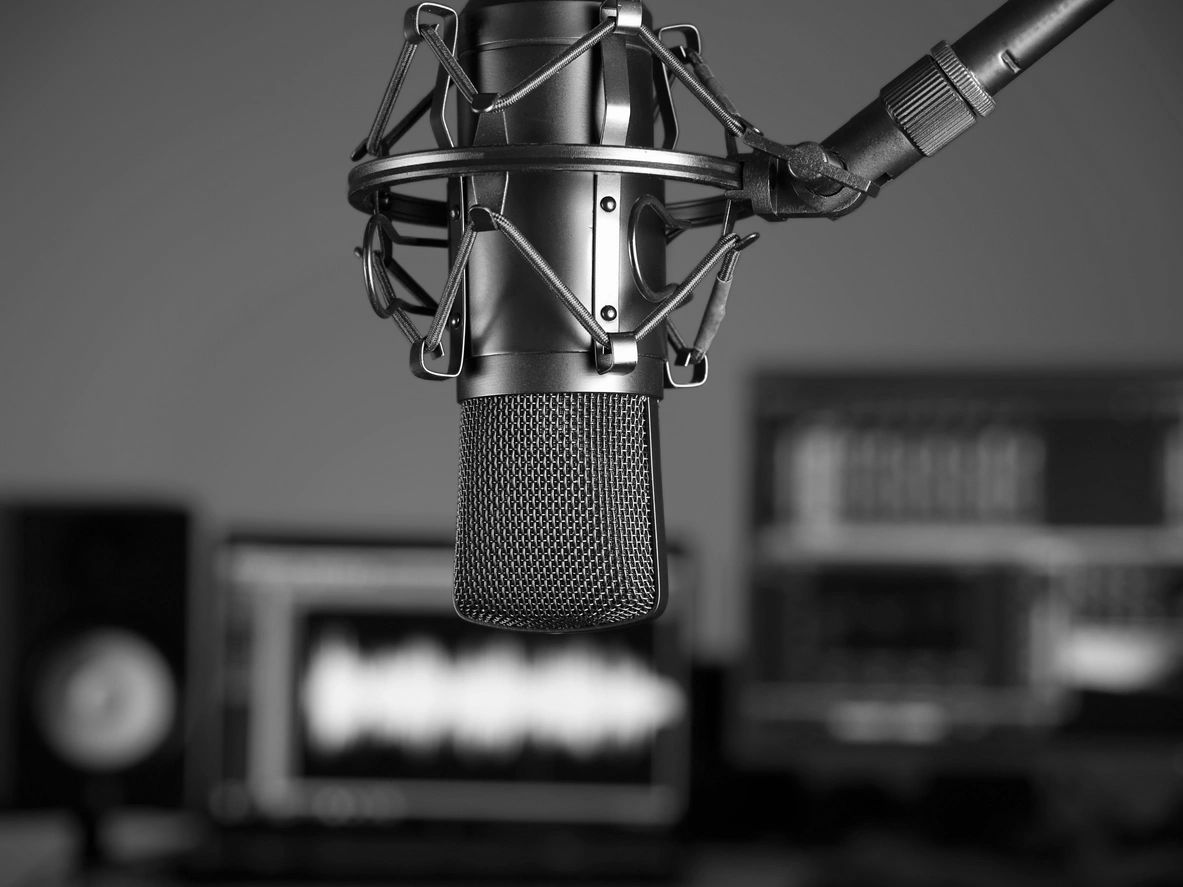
(559,516)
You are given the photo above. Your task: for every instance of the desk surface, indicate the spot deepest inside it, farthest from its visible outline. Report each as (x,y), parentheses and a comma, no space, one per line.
(40,851)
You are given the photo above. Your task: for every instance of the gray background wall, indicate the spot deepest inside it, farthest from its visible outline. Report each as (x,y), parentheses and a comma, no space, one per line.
(181,311)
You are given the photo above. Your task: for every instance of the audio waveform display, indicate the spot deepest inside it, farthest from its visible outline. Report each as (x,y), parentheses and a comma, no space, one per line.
(493,699)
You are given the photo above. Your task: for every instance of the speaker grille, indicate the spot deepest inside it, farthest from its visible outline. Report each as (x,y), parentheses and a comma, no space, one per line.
(559,514)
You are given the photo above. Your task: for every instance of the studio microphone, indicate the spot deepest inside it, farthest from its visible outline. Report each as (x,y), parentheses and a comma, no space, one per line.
(559,514)
(555,320)
(557,306)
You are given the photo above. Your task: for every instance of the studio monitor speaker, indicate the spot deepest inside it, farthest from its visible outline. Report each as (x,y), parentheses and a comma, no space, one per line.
(93,604)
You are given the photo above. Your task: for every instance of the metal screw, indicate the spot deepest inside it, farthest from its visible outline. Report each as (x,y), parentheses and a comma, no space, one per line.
(608,312)
(454,213)
(608,204)
(455,321)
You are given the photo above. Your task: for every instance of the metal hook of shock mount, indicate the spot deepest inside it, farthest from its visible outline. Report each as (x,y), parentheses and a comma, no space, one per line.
(388,237)
(452,313)
(663,81)
(413,32)
(627,16)
(712,318)
(419,352)
(384,305)
(683,356)
(691,40)
(412,23)
(666,110)
(672,223)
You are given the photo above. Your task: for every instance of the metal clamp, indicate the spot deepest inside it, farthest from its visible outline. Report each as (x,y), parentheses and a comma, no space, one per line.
(619,356)
(809,162)
(629,15)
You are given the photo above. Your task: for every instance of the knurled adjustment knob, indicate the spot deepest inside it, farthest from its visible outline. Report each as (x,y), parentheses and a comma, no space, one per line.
(963,79)
(936,100)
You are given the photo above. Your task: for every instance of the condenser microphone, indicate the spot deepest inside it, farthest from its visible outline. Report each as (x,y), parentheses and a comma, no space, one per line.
(556,310)
(555,320)
(559,512)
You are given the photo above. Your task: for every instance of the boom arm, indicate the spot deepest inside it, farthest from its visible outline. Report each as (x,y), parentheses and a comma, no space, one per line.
(924,108)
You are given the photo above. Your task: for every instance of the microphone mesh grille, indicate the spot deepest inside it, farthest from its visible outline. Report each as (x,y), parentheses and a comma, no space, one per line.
(556,526)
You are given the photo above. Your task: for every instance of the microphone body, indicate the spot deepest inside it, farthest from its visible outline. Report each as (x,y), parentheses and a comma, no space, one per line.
(559,512)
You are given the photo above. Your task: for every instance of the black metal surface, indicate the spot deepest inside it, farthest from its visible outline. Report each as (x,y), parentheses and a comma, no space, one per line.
(1018,34)
(873,143)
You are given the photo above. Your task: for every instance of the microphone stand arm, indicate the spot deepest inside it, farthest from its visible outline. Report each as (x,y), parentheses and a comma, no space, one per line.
(916,114)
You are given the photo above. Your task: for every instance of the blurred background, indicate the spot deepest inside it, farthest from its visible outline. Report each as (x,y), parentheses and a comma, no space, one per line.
(929,569)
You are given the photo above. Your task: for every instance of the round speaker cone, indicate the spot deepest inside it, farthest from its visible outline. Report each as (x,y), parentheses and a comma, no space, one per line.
(105,700)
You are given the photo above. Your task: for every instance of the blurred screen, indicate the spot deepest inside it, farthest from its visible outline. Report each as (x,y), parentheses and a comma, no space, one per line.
(433,697)
(350,693)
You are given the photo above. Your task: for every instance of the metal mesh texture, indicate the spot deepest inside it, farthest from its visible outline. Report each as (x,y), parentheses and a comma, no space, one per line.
(559,512)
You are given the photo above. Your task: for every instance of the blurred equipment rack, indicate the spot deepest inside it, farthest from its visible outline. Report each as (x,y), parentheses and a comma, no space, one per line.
(966,569)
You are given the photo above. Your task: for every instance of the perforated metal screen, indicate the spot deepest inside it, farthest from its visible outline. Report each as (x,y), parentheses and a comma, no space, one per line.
(559,511)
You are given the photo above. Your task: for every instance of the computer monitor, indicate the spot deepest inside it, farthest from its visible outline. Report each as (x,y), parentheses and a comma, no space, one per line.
(347,692)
